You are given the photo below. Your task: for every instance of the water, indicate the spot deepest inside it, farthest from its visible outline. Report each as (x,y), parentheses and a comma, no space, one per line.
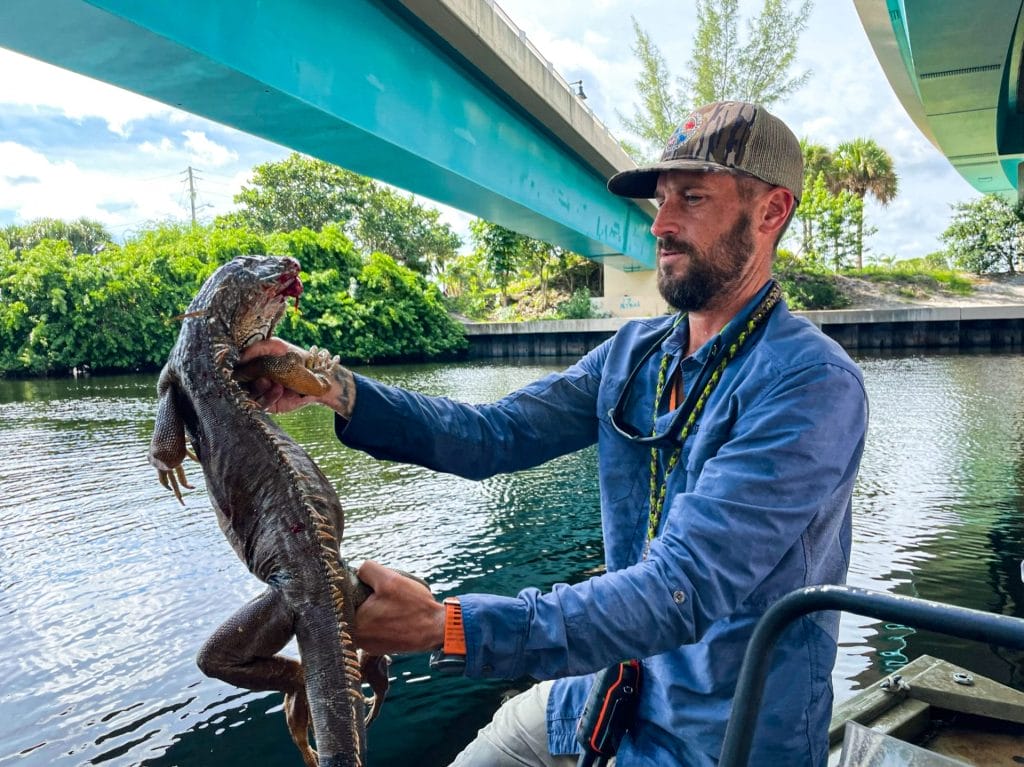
(108,586)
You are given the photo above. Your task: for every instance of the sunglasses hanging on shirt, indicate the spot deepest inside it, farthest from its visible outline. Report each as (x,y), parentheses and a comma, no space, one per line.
(723,350)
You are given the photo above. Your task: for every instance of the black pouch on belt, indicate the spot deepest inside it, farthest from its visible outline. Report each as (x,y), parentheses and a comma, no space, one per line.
(609,712)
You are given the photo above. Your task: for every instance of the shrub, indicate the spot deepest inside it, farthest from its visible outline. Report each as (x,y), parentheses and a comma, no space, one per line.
(807,283)
(576,307)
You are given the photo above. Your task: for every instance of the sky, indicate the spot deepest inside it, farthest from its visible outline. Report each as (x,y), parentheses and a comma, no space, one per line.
(72,147)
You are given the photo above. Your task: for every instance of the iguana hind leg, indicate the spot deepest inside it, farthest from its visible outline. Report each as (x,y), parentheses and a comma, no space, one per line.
(243,652)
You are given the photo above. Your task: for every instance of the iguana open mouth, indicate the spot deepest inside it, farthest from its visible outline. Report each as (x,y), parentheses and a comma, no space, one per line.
(289,283)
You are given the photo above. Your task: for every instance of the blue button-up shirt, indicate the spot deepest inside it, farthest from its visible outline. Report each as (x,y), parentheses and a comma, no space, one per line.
(758,505)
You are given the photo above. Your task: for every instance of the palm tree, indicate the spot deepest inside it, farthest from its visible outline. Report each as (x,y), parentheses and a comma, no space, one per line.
(862,167)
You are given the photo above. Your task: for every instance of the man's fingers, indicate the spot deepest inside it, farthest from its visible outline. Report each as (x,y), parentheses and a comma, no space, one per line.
(373,574)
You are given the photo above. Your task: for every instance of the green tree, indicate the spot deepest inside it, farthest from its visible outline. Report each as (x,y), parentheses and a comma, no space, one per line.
(468,284)
(404,314)
(863,168)
(111,310)
(724,67)
(502,256)
(818,158)
(119,309)
(662,106)
(410,233)
(986,235)
(298,192)
(501,250)
(389,312)
(542,260)
(830,223)
(83,235)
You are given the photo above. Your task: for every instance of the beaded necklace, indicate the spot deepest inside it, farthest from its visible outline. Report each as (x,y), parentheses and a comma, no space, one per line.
(658,489)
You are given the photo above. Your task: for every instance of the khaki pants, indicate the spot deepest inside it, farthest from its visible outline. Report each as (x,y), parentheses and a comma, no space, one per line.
(517,736)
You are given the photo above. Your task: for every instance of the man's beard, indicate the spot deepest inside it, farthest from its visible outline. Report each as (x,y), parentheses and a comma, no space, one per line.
(708,275)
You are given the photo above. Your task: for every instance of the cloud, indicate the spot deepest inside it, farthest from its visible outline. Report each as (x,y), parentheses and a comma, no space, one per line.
(162,147)
(204,151)
(45,87)
(57,191)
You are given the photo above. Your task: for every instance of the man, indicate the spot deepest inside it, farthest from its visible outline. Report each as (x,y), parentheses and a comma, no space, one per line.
(729,437)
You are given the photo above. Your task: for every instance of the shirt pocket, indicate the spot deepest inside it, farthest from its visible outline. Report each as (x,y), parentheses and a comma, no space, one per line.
(700,446)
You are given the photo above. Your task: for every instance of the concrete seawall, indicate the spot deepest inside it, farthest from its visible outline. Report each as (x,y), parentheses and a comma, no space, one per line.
(940,327)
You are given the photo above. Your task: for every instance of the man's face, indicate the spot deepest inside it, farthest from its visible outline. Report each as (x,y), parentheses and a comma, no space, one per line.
(704,238)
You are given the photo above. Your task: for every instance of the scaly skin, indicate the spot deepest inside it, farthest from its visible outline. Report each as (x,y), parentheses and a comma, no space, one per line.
(274,505)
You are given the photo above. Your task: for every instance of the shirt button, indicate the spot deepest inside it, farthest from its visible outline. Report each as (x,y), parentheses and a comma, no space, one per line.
(678,597)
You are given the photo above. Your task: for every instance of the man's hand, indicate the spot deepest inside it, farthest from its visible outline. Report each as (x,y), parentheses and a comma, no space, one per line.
(400,616)
(338,386)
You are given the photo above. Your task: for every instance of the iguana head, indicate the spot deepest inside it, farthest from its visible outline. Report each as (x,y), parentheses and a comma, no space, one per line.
(246,297)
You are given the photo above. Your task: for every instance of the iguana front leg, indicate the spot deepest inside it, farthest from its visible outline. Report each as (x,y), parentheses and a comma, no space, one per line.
(243,652)
(305,374)
(167,449)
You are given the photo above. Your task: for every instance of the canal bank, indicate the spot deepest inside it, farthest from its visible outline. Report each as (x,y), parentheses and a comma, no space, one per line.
(858,330)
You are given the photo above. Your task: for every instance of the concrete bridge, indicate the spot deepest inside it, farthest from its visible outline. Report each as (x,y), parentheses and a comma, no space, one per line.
(444,98)
(958,69)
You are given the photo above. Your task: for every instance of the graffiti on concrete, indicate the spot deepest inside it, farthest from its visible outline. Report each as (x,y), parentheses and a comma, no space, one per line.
(628,302)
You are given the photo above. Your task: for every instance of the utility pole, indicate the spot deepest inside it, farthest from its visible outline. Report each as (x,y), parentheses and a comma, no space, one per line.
(192,192)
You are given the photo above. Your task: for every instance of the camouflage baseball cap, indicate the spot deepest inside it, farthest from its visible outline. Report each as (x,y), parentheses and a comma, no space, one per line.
(726,135)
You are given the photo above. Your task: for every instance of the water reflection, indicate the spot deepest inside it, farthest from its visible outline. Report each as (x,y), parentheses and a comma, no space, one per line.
(938,503)
(108,586)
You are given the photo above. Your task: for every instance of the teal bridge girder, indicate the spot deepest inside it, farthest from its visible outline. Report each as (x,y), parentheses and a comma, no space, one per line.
(956,66)
(364,84)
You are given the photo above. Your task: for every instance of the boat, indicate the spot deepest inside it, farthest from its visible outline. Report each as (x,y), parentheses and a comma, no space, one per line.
(929,714)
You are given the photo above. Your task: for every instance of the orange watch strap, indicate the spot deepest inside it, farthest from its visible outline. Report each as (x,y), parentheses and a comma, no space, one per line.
(454,635)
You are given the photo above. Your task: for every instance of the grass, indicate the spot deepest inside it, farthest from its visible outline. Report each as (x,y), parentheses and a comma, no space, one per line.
(908,276)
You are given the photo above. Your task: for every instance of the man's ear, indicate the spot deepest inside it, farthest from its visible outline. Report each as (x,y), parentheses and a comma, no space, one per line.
(775,210)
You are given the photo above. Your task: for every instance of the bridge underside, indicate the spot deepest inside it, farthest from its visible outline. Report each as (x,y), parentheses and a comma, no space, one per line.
(956,67)
(360,84)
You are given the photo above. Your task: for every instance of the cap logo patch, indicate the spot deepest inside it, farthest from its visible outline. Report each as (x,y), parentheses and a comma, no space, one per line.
(684,131)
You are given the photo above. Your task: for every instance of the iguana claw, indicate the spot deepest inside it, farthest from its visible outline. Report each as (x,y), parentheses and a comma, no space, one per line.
(174,480)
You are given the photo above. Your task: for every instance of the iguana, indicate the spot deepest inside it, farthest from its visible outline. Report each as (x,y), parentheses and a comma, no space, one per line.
(276,508)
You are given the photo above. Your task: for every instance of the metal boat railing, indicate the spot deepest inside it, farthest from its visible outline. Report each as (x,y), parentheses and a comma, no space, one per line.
(919,613)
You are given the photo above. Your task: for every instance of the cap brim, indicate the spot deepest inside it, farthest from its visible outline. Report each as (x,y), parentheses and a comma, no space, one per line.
(640,183)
